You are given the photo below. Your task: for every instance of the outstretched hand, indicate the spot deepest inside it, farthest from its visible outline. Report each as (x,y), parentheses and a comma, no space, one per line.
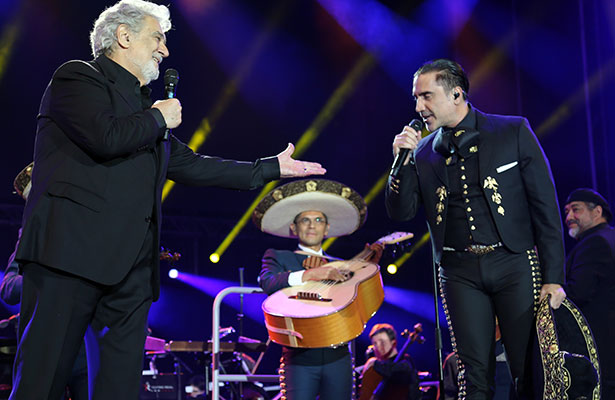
(291,168)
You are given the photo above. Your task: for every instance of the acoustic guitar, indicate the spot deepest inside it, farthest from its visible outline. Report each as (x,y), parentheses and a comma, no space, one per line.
(328,313)
(372,386)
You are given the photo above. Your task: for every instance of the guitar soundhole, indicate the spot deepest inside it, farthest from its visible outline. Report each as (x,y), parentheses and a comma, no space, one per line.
(309,296)
(348,274)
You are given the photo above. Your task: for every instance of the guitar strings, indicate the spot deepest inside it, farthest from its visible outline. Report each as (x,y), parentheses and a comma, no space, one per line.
(320,287)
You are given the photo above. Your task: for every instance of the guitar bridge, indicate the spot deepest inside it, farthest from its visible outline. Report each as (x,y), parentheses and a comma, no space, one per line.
(309,296)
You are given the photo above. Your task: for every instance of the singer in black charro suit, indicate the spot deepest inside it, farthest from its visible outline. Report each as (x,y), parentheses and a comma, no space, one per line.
(90,240)
(493,217)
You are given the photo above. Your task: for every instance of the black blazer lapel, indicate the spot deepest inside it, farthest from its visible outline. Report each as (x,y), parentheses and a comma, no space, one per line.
(125,93)
(437,162)
(129,97)
(487,145)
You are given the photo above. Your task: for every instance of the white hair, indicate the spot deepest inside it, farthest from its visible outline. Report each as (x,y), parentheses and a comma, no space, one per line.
(127,12)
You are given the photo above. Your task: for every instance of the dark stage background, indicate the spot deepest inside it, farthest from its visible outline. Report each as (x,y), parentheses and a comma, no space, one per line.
(255,75)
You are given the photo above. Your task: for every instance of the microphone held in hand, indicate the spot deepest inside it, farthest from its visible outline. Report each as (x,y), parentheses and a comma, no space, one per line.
(417,125)
(171,77)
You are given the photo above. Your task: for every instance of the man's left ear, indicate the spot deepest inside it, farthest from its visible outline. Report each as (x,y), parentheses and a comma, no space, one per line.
(123,36)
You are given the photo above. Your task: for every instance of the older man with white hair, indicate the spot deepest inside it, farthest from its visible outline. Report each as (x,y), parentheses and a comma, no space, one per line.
(90,233)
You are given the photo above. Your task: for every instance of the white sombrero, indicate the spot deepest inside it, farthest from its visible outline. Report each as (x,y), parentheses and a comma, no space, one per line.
(345,209)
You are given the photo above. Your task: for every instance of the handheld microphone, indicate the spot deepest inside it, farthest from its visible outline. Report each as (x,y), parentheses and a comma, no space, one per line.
(171,77)
(417,125)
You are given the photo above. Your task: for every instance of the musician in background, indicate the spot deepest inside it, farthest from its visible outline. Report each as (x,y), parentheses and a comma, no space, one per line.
(590,273)
(399,377)
(310,210)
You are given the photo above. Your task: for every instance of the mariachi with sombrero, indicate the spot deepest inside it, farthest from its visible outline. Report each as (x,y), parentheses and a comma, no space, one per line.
(321,313)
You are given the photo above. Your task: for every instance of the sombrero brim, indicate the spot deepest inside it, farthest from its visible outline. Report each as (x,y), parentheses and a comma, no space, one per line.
(567,352)
(345,209)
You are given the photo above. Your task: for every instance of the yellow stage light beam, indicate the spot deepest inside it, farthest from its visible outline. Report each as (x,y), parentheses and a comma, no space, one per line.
(230,89)
(374,191)
(563,111)
(241,223)
(7,40)
(369,197)
(404,257)
(335,102)
(333,105)
(490,62)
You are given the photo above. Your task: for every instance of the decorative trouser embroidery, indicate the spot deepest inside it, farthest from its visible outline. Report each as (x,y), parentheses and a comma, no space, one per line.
(282,372)
(461,380)
(536,286)
(536,277)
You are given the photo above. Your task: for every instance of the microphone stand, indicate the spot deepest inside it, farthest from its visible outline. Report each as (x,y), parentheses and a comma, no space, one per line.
(438,332)
(240,318)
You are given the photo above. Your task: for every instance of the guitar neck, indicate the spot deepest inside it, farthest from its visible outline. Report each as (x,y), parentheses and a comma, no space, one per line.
(365,254)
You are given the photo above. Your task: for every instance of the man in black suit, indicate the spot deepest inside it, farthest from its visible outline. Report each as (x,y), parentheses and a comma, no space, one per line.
(310,211)
(590,274)
(10,293)
(492,212)
(90,239)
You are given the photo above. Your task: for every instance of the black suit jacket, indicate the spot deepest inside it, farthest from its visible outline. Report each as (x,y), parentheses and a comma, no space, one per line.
(99,169)
(590,284)
(276,267)
(517,184)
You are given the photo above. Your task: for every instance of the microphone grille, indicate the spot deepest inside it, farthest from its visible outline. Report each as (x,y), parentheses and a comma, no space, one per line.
(171,76)
(416,124)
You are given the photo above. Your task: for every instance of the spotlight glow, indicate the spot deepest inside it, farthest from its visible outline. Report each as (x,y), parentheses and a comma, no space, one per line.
(214,258)
(392,269)
(173,273)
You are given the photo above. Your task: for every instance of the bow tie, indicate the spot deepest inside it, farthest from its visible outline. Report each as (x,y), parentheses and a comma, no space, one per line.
(455,142)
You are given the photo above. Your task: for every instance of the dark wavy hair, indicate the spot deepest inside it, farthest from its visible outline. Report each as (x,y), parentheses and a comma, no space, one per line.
(449,75)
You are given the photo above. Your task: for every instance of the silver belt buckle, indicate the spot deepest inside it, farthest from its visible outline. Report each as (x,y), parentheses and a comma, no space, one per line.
(482,249)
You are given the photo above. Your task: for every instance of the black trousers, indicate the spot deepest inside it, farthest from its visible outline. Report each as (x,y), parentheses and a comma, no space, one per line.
(308,373)
(477,288)
(56,309)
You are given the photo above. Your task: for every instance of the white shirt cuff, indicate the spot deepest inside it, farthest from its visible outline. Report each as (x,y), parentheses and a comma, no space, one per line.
(296,278)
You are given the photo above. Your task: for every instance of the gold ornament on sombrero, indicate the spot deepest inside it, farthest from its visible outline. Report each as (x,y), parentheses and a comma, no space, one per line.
(441,193)
(345,209)
(491,184)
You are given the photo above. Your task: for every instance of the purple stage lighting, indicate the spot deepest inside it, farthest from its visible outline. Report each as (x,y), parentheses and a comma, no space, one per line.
(211,287)
(417,303)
